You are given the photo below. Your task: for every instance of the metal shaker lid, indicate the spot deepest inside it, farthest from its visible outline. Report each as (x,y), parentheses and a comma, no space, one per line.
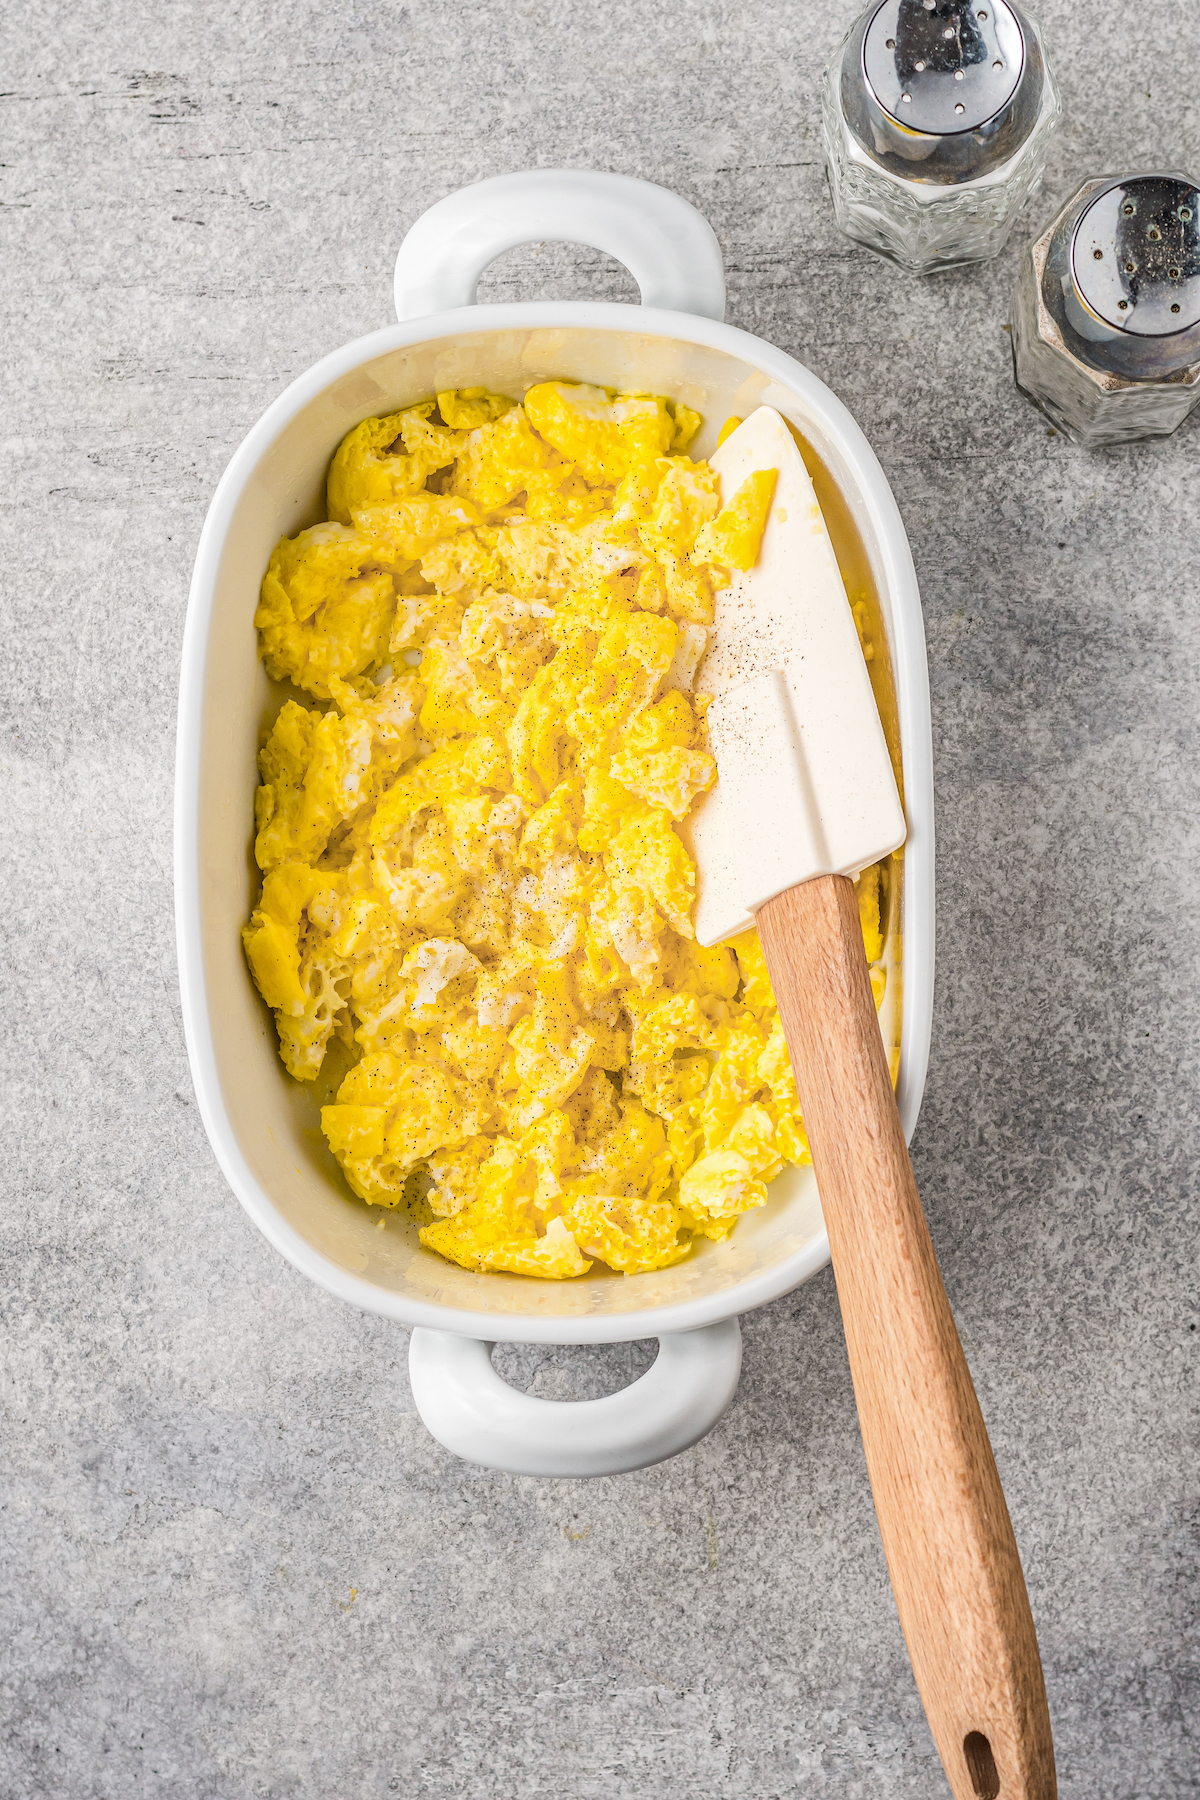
(1135,256)
(942,91)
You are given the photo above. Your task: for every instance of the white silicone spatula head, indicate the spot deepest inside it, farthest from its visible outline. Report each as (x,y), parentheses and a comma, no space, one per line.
(804,781)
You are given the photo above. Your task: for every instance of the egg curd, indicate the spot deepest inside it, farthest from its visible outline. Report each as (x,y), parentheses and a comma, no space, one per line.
(467,829)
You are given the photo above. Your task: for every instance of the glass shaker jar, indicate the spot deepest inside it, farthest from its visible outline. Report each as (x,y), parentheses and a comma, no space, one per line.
(936,117)
(1105,315)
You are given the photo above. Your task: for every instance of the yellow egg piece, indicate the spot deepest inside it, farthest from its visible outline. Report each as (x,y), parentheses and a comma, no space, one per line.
(326,606)
(383,460)
(734,537)
(465,408)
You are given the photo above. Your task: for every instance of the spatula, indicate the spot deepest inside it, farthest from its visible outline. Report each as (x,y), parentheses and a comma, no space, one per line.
(805,799)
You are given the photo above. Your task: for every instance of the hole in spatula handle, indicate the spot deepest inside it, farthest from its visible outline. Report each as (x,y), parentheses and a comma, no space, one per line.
(981,1764)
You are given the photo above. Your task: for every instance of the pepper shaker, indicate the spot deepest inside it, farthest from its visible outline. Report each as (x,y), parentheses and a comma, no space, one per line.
(1106,311)
(936,119)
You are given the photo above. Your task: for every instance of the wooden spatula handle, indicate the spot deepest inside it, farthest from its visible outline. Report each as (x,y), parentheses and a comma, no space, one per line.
(950,1548)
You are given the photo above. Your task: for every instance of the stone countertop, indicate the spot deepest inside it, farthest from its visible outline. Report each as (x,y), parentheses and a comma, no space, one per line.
(235,1563)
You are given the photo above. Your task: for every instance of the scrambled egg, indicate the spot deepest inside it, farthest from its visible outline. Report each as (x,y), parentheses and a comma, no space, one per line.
(471,872)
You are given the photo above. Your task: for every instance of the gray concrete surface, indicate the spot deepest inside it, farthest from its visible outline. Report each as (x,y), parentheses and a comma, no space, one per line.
(233,1561)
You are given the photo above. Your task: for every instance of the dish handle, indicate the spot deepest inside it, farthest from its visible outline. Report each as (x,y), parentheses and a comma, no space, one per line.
(668,247)
(473,1411)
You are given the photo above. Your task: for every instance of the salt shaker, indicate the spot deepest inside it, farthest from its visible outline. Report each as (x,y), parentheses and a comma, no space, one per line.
(936,118)
(1106,312)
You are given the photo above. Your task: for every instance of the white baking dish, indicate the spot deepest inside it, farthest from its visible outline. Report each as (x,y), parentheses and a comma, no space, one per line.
(263,1126)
